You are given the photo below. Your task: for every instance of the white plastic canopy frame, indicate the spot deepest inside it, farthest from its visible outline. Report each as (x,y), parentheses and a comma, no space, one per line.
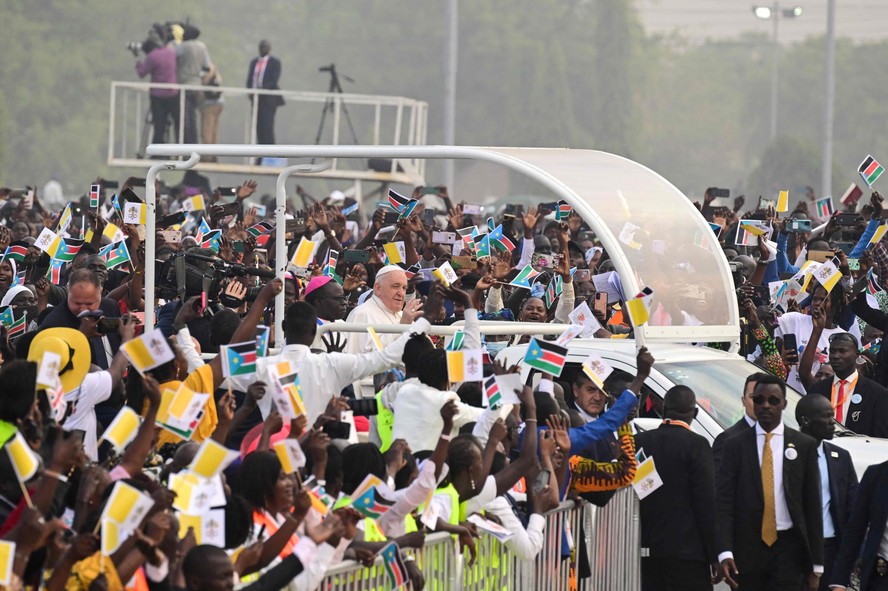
(653,234)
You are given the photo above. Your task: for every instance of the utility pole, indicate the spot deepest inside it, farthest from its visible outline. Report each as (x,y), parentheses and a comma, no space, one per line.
(829,98)
(451,53)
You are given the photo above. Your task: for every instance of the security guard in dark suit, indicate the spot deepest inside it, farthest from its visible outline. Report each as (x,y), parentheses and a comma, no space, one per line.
(678,518)
(838,480)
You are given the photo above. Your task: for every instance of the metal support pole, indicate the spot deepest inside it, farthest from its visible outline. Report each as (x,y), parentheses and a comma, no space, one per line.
(452,46)
(150,216)
(280,242)
(829,98)
(775,59)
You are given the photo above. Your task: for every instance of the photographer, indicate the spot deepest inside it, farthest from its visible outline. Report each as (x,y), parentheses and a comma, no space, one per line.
(160,63)
(192,61)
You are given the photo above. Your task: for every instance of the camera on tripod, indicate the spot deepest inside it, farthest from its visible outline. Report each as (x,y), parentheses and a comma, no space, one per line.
(187,274)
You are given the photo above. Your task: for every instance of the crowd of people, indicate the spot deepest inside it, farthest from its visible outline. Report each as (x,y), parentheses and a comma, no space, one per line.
(172,53)
(136,459)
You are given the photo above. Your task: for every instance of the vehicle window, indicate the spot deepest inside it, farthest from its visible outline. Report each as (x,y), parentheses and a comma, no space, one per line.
(651,403)
(718,385)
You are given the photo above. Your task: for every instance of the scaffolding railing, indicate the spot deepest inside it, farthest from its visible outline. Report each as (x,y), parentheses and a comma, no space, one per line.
(375,119)
(612,545)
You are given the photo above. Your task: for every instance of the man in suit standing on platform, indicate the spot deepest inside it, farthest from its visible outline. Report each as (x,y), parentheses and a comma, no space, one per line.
(770,521)
(838,481)
(264,73)
(678,518)
(747,421)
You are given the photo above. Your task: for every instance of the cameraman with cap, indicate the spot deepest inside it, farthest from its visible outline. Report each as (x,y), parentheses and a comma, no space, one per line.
(160,63)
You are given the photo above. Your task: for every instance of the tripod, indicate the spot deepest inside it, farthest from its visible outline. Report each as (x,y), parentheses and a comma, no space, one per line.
(329,104)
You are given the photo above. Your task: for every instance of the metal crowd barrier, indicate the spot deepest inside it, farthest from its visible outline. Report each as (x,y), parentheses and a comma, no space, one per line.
(612,542)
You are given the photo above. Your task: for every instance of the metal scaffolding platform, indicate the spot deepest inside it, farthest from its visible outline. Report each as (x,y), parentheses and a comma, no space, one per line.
(370,120)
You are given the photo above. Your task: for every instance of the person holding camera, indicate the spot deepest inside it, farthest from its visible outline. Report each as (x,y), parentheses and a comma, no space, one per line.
(160,64)
(192,62)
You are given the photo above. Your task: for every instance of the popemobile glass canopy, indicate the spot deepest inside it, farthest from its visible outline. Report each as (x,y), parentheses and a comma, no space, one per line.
(652,232)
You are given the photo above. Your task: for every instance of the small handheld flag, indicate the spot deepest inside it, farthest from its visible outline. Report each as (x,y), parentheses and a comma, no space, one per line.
(23,460)
(546,357)
(16,253)
(372,504)
(522,279)
(238,359)
(211,459)
(305,253)
(597,369)
(562,212)
(492,392)
(640,306)
(127,506)
(870,170)
(290,454)
(122,429)
(135,213)
(148,350)
(828,275)
(783,201)
(262,333)
(195,203)
(872,283)
(94,192)
(394,566)
(824,207)
(465,365)
(115,254)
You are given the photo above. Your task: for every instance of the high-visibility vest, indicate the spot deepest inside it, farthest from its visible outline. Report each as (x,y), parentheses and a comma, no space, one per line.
(385,421)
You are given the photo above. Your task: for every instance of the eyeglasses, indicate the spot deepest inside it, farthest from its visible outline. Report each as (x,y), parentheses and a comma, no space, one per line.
(772,400)
(843,336)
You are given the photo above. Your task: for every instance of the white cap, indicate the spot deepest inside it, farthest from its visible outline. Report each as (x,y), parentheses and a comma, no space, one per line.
(337,197)
(388,269)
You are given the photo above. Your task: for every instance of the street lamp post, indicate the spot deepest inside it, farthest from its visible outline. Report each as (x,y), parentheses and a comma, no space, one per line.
(774,13)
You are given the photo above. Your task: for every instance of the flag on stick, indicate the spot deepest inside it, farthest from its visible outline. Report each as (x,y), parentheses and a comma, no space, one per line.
(546,357)
(870,170)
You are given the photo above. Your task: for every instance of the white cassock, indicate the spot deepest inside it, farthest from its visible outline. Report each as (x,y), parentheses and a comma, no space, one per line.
(373,311)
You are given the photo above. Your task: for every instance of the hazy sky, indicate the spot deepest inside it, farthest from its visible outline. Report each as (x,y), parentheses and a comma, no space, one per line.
(862,20)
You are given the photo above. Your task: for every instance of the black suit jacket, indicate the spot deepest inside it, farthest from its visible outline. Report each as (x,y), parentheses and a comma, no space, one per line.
(719,443)
(879,320)
(678,519)
(269,80)
(868,516)
(842,485)
(61,317)
(740,500)
(867,417)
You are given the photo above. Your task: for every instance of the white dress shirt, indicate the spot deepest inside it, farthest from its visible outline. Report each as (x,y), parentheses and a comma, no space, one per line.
(850,385)
(526,543)
(96,388)
(829,528)
(324,375)
(418,415)
(784,521)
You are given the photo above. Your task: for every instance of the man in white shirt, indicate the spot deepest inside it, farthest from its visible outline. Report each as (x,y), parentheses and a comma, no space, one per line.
(385,306)
(770,534)
(96,386)
(324,375)
(416,419)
